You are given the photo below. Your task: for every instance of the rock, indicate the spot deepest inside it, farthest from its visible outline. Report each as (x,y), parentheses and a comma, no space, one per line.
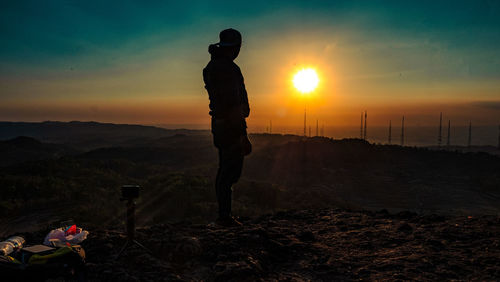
(433,218)
(405,228)
(306,236)
(382,213)
(239,270)
(406,215)
(435,244)
(188,247)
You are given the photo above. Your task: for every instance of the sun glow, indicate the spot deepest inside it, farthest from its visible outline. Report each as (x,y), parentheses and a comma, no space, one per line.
(306,80)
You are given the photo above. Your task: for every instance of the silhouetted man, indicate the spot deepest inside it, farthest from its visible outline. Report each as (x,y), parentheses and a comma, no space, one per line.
(228,108)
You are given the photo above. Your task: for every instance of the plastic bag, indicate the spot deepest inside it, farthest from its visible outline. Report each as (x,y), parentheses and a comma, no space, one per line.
(61,237)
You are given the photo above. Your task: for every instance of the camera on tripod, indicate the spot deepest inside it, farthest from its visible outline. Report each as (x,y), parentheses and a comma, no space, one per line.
(130,192)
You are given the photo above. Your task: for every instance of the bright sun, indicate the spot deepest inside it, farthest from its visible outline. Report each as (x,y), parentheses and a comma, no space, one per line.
(306,80)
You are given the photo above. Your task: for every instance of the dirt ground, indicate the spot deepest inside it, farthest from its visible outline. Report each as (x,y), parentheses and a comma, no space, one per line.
(315,245)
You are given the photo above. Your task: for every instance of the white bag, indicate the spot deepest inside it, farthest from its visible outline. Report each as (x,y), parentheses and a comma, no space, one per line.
(57,238)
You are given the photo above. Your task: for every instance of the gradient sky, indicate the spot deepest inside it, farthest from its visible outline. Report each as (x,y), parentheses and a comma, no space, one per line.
(134,62)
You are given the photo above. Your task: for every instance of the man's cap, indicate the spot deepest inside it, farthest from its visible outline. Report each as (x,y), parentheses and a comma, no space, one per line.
(230,37)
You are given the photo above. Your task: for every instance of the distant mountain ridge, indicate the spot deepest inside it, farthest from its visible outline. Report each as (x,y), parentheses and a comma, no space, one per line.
(23,148)
(283,172)
(86,135)
(56,129)
(23,141)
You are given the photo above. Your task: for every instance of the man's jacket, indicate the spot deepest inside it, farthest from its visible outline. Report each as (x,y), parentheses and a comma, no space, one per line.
(226,90)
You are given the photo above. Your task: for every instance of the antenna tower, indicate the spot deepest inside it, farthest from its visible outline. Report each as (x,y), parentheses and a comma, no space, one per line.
(304,121)
(440,129)
(448,137)
(470,135)
(403,131)
(390,132)
(317,128)
(499,137)
(361,127)
(364,133)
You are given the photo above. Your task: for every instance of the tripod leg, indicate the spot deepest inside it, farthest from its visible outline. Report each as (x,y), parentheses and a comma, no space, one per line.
(142,246)
(122,249)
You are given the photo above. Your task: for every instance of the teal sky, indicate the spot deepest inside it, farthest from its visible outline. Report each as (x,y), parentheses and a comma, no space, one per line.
(128,61)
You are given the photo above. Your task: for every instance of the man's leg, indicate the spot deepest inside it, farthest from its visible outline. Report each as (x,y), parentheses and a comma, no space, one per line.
(230,166)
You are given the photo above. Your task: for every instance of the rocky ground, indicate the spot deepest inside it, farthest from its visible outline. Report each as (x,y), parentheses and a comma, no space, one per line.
(316,245)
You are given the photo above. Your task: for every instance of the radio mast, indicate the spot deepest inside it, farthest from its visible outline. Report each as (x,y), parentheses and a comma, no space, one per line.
(440,129)
(390,132)
(448,138)
(499,137)
(364,133)
(361,127)
(317,128)
(305,121)
(469,140)
(403,131)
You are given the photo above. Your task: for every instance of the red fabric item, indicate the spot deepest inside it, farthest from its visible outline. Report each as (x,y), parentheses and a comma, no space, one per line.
(71,230)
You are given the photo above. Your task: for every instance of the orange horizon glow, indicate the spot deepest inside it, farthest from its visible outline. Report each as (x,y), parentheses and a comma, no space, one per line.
(170,90)
(145,69)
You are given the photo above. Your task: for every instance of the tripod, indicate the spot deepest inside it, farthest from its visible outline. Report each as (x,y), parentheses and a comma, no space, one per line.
(130,227)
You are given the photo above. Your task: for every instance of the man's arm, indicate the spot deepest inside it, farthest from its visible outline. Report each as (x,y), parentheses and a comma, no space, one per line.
(245,107)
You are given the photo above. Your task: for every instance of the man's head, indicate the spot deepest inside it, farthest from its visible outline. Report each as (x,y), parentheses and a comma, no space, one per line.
(230,42)
(230,37)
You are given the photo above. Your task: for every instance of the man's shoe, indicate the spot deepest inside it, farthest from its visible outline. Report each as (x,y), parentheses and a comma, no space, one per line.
(228,222)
